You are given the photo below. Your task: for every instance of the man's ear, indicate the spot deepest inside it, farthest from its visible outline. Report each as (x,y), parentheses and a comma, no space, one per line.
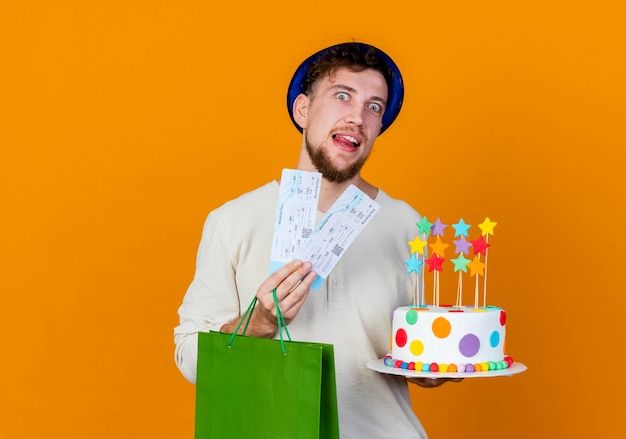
(301,109)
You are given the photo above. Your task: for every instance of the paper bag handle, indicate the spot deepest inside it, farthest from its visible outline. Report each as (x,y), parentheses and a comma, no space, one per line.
(282,325)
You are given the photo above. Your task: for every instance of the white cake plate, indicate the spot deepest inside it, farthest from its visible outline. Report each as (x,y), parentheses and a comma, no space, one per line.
(380,366)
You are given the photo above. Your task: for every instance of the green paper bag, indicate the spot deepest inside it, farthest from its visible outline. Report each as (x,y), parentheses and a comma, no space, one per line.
(257,388)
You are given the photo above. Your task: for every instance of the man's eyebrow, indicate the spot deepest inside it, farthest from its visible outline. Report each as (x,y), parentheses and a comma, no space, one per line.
(352,90)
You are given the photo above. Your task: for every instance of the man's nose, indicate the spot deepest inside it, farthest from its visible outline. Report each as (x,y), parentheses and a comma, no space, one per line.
(355,116)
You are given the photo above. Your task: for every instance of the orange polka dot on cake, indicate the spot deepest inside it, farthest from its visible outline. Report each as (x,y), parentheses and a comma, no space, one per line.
(441,327)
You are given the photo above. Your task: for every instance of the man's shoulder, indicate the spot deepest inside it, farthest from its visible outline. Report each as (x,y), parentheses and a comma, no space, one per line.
(250,201)
(395,206)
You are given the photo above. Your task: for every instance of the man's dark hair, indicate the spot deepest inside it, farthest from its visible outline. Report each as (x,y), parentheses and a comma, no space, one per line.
(353,56)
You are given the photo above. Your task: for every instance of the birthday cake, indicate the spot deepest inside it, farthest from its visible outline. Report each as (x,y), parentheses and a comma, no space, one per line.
(448,338)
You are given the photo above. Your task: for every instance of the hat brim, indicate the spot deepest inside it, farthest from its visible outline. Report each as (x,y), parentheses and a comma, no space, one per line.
(395,92)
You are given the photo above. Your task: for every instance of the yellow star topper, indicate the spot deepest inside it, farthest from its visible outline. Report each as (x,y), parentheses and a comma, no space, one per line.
(439,247)
(417,245)
(487,226)
(477,267)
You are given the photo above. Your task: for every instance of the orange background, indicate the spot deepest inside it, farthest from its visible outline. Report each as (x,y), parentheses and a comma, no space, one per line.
(124,123)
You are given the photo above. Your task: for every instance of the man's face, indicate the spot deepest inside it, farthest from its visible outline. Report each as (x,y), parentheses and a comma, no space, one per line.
(343,118)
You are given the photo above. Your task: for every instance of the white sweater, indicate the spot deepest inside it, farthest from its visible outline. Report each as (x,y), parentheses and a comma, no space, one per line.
(351,310)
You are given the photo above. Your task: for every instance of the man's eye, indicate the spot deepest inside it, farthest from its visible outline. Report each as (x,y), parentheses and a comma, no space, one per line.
(342,96)
(375,107)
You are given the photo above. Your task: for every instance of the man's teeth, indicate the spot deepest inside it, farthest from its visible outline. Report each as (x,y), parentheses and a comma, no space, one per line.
(354,141)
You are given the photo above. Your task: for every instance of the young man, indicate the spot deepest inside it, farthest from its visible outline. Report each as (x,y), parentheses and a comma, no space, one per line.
(341,99)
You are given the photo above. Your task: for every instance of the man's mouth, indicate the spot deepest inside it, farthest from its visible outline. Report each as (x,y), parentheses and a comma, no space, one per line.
(345,139)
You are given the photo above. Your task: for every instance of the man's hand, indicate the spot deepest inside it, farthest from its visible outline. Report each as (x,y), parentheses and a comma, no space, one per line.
(292,283)
(432,382)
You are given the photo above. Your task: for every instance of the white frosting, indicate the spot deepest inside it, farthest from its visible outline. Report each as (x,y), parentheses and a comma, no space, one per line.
(447,335)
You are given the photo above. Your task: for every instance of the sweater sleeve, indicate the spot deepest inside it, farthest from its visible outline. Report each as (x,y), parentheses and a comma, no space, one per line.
(211,299)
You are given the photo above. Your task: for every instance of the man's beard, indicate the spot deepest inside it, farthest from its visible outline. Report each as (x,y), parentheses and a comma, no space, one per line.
(326,168)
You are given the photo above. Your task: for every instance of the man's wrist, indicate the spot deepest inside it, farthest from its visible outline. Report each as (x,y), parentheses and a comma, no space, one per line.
(255,328)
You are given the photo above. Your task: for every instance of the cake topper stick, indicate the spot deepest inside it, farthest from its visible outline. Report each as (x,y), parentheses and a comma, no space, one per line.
(479,248)
(413,269)
(434,264)
(487,229)
(424,227)
(485,277)
(476,293)
(476,268)
(460,263)
(423,286)
(438,249)
(459,291)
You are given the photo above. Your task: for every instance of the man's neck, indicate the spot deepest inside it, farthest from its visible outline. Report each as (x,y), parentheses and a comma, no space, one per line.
(330,191)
